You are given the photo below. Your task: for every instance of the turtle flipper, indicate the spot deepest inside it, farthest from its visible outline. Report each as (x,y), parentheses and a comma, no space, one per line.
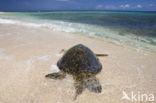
(79,88)
(93,85)
(58,75)
(101,55)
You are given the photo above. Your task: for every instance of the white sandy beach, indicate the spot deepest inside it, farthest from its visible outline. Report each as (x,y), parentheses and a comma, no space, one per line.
(27,54)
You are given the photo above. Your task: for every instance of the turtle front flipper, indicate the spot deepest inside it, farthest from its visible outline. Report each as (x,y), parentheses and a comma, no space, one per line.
(58,75)
(93,84)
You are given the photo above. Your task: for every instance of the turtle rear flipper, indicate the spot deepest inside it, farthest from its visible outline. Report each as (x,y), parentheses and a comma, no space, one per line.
(101,55)
(93,85)
(79,86)
(58,75)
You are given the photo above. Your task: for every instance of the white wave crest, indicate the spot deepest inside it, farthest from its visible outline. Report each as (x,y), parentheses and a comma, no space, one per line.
(9,21)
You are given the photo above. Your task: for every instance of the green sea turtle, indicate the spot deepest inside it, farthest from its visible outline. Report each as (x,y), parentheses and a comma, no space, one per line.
(80,62)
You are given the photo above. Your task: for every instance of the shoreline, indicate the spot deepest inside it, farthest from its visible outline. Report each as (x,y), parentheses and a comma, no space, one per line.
(115,43)
(138,43)
(93,37)
(27,54)
(134,46)
(2,12)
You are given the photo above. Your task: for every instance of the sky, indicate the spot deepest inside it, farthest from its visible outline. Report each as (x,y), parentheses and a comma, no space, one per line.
(28,5)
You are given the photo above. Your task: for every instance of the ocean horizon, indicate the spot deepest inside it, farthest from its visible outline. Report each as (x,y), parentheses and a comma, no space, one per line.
(41,10)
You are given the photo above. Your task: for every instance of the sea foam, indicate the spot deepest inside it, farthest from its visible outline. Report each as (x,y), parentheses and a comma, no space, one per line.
(9,21)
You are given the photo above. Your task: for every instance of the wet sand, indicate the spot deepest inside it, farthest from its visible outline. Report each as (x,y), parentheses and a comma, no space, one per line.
(27,54)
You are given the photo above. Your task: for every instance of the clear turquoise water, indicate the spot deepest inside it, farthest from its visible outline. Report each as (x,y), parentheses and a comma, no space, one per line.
(137,29)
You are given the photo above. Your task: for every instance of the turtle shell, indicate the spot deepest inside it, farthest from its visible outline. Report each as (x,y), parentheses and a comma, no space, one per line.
(79,59)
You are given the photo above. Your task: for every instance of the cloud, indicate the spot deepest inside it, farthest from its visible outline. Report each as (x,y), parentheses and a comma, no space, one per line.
(110,7)
(121,7)
(63,0)
(99,6)
(125,6)
(138,6)
(152,5)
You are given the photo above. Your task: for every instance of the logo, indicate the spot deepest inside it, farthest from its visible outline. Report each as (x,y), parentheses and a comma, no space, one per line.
(138,97)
